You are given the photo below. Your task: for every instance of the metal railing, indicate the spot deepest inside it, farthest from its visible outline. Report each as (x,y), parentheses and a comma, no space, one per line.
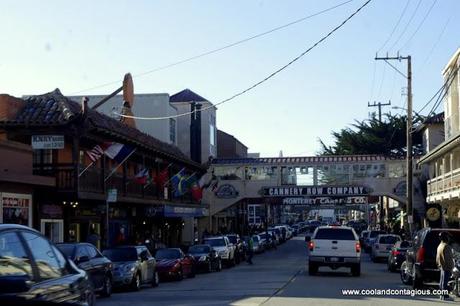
(444,183)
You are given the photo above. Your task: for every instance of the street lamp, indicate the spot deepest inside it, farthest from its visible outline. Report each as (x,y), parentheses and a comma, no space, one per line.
(405,109)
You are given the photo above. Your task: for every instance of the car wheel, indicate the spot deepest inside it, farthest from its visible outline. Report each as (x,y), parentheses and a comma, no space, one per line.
(180,275)
(219,265)
(91,298)
(312,268)
(406,277)
(136,283)
(107,289)
(209,269)
(356,270)
(156,279)
(192,272)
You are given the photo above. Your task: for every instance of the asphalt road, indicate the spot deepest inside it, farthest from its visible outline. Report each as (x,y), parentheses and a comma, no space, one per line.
(278,277)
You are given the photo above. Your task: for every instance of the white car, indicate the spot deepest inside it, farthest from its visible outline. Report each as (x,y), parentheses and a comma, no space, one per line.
(382,246)
(224,247)
(334,247)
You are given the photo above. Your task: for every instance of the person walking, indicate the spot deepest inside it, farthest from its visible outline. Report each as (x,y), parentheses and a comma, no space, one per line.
(445,263)
(250,249)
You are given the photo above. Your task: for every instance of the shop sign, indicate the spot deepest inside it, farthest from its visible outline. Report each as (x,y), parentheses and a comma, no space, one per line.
(155,211)
(325,201)
(112,195)
(181,211)
(315,191)
(51,211)
(16,208)
(226,191)
(47,142)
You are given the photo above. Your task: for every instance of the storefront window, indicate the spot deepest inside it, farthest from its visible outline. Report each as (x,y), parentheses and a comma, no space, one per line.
(229,173)
(16,208)
(288,176)
(260,173)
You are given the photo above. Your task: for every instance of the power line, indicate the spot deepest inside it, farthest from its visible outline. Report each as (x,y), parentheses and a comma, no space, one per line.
(221,48)
(407,25)
(263,80)
(437,40)
(420,24)
(396,26)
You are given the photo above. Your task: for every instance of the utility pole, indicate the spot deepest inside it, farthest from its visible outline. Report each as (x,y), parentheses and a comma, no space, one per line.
(409,178)
(379,105)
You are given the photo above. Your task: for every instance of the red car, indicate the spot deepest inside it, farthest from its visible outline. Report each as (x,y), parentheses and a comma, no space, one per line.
(174,264)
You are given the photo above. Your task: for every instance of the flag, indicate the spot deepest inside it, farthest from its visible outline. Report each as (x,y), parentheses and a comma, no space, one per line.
(197,192)
(178,183)
(160,178)
(95,153)
(142,176)
(118,152)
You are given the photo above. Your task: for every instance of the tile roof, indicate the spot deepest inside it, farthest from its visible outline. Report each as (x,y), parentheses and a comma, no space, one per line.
(186,95)
(54,109)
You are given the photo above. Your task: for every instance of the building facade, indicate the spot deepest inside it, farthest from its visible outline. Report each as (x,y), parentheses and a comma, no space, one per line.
(443,188)
(96,191)
(228,146)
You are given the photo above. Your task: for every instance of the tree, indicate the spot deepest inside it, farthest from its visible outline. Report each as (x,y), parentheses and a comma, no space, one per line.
(374,137)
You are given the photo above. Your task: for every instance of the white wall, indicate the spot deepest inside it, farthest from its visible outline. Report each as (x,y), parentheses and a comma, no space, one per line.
(145,105)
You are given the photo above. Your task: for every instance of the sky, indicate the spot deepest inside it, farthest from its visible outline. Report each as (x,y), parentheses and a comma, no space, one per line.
(79,45)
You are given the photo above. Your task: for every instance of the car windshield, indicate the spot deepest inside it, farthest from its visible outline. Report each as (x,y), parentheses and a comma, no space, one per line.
(198,249)
(388,239)
(335,234)
(215,242)
(404,244)
(167,254)
(232,239)
(67,249)
(121,254)
(264,236)
(374,234)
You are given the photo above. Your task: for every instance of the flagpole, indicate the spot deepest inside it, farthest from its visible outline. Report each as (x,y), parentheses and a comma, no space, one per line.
(118,166)
(84,170)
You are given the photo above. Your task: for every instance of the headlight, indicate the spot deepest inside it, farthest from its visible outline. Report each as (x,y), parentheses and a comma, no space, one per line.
(202,258)
(129,268)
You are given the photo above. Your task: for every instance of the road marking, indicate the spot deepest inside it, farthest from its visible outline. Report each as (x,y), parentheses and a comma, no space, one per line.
(280,290)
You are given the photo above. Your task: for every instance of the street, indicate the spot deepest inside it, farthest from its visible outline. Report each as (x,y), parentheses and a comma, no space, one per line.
(277,278)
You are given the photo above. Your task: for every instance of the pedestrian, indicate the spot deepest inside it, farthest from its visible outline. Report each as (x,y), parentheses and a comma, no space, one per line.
(93,237)
(445,263)
(250,249)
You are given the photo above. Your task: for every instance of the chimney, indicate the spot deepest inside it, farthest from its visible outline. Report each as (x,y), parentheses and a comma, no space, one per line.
(9,107)
(84,106)
(126,110)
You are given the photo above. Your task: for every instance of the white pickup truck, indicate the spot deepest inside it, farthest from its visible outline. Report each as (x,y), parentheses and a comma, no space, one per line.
(334,247)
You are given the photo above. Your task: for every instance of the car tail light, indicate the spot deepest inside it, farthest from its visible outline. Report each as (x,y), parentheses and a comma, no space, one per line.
(420,258)
(358,247)
(395,253)
(311,245)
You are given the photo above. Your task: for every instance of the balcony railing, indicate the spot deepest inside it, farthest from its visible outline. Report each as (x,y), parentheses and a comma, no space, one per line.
(92,181)
(444,183)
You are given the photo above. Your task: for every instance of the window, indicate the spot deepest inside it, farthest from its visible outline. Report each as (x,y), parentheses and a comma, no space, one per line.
(335,234)
(212,131)
(92,252)
(13,258)
(172,130)
(48,265)
(81,252)
(43,156)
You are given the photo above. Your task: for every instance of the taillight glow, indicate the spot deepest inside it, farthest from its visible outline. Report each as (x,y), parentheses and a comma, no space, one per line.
(395,253)
(311,245)
(420,255)
(358,247)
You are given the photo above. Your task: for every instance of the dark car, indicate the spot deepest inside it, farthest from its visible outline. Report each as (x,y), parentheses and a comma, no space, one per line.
(87,257)
(397,255)
(420,265)
(312,225)
(240,252)
(206,258)
(33,270)
(133,266)
(173,263)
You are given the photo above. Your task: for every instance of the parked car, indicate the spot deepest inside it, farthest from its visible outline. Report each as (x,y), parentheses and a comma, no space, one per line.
(312,225)
(334,247)
(173,263)
(371,239)
(420,264)
(240,252)
(278,234)
(284,232)
(87,257)
(35,270)
(397,255)
(133,266)
(224,247)
(383,245)
(275,237)
(206,258)
(268,241)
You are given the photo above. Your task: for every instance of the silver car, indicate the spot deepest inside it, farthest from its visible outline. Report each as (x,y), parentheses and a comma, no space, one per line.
(382,246)
(132,266)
